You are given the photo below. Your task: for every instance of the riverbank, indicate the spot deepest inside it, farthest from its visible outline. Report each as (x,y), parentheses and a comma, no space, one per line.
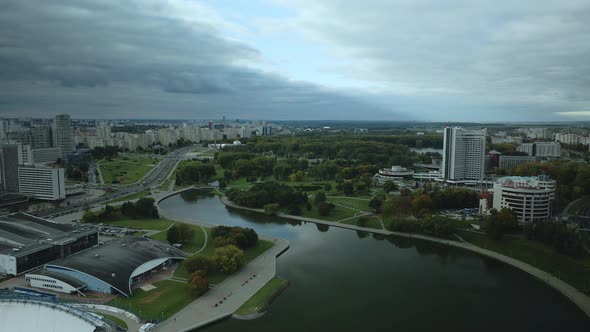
(577,297)
(257,305)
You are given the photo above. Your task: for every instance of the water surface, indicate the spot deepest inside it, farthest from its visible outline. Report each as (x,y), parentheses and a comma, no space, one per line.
(342,280)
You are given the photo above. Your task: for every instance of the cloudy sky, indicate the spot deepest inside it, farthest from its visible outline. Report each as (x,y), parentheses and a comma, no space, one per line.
(429,60)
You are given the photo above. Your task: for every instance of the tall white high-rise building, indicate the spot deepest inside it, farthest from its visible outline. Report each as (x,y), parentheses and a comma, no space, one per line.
(63,135)
(463,154)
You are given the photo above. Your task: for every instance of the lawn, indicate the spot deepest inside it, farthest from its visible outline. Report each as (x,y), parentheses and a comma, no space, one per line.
(215,278)
(196,242)
(153,224)
(130,197)
(168,298)
(125,169)
(337,214)
(116,320)
(575,272)
(260,301)
(355,203)
(373,222)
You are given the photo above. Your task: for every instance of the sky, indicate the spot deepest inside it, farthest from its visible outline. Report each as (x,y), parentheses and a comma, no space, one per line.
(394,60)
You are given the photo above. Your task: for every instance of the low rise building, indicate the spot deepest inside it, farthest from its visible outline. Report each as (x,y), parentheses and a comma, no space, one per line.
(511,162)
(27,242)
(530,198)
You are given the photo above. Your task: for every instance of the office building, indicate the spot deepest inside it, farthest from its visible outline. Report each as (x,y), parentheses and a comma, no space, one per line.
(63,136)
(45,183)
(463,154)
(530,198)
(41,137)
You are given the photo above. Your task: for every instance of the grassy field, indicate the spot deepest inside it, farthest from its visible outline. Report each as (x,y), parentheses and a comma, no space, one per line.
(575,272)
(196,242)
(130,197)
(260,301)
(168,298)
(125,169)
(153,224)
(209,250)
(117,320)
(355,203)
(338,213)
(372,223)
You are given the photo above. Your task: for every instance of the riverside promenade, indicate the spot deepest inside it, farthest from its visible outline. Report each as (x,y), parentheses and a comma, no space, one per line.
(227,297)
(579,298)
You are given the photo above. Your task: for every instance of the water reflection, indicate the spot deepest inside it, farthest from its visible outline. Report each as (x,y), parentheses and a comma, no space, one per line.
(341,283)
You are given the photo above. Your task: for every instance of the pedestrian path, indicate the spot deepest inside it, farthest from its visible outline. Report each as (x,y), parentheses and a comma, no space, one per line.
(227,297)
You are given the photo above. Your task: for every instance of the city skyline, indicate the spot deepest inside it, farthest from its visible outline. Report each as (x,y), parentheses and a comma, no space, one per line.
(296,59)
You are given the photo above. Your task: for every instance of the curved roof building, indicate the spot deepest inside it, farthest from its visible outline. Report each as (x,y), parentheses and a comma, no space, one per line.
(115,266)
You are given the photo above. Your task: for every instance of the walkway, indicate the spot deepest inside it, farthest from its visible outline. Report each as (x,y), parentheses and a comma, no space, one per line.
(579,298)
(227,297)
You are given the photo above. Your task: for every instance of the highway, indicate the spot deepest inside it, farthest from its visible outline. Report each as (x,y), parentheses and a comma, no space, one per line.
(150,181)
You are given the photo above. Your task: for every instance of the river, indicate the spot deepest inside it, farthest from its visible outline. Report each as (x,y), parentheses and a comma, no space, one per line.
(342,280)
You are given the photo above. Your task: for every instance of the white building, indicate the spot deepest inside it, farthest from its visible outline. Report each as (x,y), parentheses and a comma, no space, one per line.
(54,281)
(43,183)
(541,149)
(463,154)
(531,198)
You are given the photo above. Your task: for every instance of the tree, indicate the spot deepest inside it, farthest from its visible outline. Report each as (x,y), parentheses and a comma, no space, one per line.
(271,209)
(320,197)
(421,202)
(229,258)
(376,203)
(347,187)
(89,217)
(185,233)
(327,187)
(173,234)
(198,283)
(389,186)
(296,177)
(200,263)
(494,227)
(324,208)
(362,221)
(507,218)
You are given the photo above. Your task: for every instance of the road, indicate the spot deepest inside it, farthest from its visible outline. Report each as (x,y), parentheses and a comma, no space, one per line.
(151,180)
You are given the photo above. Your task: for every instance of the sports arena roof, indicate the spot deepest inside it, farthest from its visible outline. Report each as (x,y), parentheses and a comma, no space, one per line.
(115,262)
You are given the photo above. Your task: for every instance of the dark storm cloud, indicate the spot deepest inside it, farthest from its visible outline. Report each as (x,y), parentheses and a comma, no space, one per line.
(145,57)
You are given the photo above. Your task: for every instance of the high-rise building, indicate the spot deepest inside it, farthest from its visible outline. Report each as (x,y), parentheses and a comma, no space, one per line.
(44,183)
(3,129)
(63,136)
(41,137)
(530,198)
(10,159)
(463,154)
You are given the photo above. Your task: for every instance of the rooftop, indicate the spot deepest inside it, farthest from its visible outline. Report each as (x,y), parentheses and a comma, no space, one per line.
(21,233)
(114,262)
